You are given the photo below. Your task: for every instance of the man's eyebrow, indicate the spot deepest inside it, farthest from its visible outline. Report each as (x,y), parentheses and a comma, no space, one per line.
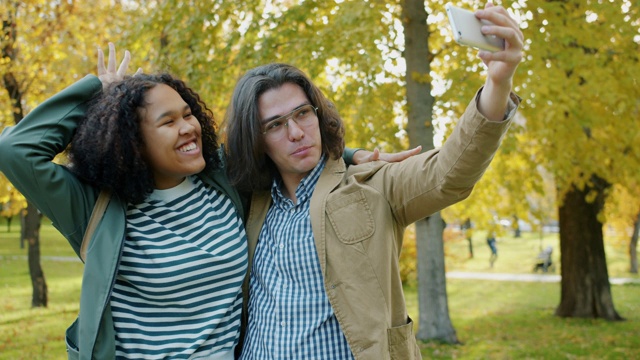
(279,116)
(171,112)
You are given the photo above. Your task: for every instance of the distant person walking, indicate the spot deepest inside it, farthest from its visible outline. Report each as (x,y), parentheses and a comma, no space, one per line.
(491,241)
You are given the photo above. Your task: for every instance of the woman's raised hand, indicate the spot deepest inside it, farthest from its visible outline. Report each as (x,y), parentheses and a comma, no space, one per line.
(109,74)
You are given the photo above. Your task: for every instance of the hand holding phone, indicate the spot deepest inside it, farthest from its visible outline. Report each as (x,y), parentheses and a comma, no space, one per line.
(466,29)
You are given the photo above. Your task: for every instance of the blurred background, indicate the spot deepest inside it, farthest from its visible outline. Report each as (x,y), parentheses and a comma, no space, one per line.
(566,176)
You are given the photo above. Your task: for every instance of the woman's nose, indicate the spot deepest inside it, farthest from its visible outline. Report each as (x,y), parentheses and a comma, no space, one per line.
(186,128)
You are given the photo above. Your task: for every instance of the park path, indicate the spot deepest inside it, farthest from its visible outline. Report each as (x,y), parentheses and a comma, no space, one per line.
(450,275)
(526,277)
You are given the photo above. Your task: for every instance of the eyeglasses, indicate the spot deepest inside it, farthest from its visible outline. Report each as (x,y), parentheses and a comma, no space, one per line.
(305,115)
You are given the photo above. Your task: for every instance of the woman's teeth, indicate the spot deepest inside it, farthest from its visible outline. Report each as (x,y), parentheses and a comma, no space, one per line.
(188,147)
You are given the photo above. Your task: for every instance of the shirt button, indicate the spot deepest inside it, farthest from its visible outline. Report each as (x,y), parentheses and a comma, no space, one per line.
(292,210)
(281,246)
(283,323)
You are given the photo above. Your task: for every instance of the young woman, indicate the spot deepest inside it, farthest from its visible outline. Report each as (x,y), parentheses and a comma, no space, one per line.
(164,269)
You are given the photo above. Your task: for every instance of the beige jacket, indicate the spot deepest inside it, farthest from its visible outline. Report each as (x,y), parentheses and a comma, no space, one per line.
(358,216)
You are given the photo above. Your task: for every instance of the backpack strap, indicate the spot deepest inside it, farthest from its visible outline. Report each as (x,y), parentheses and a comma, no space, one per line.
(96,216)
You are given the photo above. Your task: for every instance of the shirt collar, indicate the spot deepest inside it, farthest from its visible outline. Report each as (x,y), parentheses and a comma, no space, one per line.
(304,189)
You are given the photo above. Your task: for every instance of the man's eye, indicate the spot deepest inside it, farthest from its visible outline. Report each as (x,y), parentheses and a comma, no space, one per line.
(274,125)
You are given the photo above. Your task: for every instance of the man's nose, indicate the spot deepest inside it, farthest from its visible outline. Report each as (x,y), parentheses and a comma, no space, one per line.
(294,130)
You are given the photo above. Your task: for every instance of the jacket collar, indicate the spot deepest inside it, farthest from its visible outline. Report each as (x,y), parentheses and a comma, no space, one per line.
(329,179)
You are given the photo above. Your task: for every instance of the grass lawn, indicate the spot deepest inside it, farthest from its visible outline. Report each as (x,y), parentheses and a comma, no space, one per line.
(514,320)
(36,333)
(493,320)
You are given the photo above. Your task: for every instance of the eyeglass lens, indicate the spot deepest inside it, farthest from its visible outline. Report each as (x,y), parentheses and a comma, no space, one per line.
(301,116)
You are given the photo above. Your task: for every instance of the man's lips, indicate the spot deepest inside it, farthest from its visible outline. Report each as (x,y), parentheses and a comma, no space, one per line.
(300,150)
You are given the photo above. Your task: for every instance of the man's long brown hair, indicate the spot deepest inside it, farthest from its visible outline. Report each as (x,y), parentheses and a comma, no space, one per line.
(249,167)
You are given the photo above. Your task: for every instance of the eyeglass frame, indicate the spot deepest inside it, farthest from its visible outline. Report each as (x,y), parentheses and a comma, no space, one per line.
(288,116)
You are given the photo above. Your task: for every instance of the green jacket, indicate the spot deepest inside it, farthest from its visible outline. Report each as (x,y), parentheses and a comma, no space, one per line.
(358,216)
(26,154)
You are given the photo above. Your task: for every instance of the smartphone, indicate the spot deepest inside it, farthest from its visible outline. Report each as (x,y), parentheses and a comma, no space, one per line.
(466,30)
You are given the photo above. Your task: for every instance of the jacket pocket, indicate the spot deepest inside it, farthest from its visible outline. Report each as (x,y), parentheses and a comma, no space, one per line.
(351,217)
(402,342)
(71,339)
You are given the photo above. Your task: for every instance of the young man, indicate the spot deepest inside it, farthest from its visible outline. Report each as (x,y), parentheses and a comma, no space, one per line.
(324,240)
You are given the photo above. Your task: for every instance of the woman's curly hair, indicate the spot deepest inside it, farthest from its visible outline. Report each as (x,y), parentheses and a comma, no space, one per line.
(107,149)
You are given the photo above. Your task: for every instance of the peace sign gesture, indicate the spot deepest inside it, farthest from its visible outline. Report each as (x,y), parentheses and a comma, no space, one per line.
(109,74)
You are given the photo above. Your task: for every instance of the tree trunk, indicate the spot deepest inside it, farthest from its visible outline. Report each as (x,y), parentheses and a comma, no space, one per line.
(31,233)
(517,233)
(585,288)
(434,320)
(467,233)
(633,247)
(9,52)
(22,227)
(30,218)
(418,61)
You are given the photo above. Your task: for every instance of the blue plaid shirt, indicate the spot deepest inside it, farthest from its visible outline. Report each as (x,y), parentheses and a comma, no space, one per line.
(290,316)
